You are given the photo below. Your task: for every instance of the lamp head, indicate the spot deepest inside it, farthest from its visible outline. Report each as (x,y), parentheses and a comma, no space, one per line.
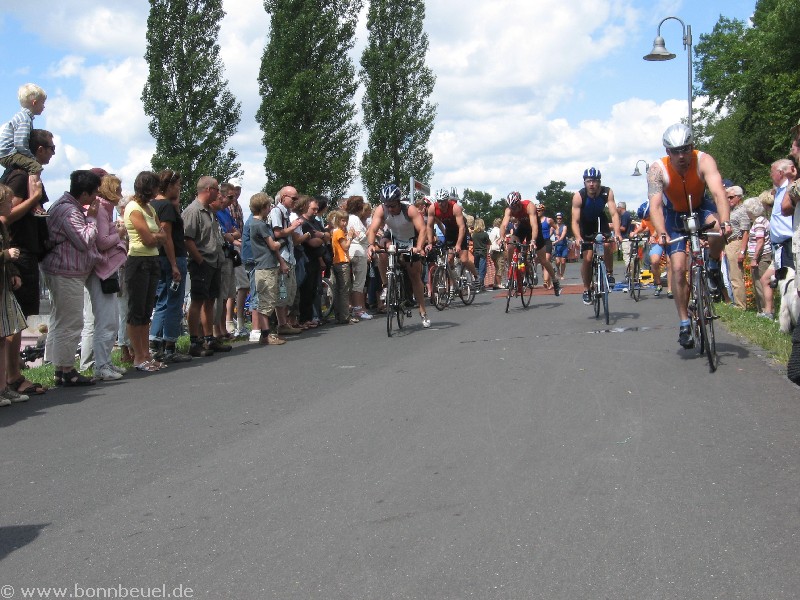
(659,51)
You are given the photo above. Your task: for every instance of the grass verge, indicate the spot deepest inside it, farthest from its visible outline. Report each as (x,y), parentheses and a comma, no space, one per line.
(758,330)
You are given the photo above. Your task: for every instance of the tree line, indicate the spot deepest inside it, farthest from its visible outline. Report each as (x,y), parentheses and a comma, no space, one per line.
(307,82)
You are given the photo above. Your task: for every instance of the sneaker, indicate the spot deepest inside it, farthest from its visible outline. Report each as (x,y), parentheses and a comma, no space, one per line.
(120,370)
(556,288)
(218,346)
(106,373)
(670,295)
(426,322)
(766,315)
(685,338)
(255,335)
(241,334)
(611,280)
(4,401)
(199,350)
(365,316)
(176,357)
(12,396)
(657,293)
(289,330)
(587,297)
(272,340)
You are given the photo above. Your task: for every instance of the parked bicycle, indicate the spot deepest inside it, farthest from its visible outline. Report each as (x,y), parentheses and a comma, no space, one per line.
(521,273)
(633,275)
(451,277)
(701,307)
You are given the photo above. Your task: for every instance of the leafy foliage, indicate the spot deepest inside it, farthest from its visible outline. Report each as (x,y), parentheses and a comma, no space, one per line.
(556,198)
(480,205)
(193,114)
(397,113)
(751,78)
(307,83)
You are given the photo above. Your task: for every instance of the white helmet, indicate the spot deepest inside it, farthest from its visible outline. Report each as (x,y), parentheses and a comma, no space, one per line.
(677,136)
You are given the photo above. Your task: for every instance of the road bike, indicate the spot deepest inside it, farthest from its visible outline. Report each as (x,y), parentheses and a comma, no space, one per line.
(598,288)
(451,277)
(633,276)
(398,306)
(521,273)
(701,307)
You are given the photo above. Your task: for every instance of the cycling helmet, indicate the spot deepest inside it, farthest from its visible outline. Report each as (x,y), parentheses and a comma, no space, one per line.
(592,173)
(513,198)
(390,193)
(643,211)
(442,195)
(677,136)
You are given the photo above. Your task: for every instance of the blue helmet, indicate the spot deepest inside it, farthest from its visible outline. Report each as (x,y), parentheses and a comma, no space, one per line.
(643,211)
(391,193)
(592,173)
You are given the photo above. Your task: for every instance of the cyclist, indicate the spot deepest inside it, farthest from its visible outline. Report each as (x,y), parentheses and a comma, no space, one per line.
(656,249)
(672,181)
(546,227)
(527,231)
(447,213)
(405,227)
(588,207)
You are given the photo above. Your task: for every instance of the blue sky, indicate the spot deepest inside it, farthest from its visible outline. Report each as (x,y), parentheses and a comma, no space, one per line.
(526,91)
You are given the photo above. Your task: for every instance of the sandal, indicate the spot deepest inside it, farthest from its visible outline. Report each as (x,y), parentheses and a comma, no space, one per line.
(72,379)
(148,366)
(27,388)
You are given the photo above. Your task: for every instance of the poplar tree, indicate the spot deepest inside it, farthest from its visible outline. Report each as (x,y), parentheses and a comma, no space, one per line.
(307,83)
(193,114)
(397,112)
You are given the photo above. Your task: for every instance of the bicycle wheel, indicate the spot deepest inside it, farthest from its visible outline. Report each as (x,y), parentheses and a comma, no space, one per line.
(526,289)
(635,288)
(326,295)
(400,301)
(441,290)
(604,287)
(391,291)
(467,285)
(595,290)
(705,317)
(512,285)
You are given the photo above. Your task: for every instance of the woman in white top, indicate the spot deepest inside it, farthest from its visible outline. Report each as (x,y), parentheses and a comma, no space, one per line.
(358,253)
(496,253)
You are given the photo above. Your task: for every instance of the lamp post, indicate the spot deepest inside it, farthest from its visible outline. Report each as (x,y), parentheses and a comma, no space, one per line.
(636,171)
(660,52)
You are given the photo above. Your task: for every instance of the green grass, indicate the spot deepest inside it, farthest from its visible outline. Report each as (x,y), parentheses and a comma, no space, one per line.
(43,375)
(758,330)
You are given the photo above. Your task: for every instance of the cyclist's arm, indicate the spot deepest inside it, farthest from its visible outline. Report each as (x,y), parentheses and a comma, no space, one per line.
(534,224)
(504,224)
(577,203)
(655,193)
(458,213)
(612,209)
(431,224)
(419,225)
(374,228)
(708,168)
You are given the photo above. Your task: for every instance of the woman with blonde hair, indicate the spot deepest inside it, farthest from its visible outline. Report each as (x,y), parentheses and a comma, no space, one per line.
(102,284)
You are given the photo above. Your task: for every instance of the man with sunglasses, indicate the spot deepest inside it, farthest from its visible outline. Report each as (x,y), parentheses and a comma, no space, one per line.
(404,226)
(676,186)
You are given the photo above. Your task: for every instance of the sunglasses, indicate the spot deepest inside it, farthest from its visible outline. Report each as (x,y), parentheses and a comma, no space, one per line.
(681,150)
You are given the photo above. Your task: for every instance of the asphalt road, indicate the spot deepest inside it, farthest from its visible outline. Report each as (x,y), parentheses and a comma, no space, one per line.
(535,454)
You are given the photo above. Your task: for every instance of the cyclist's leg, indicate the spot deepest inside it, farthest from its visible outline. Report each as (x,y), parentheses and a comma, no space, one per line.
(414,271)
(586,266)
(680,285)
(547,266)
(468,264)
(655,263)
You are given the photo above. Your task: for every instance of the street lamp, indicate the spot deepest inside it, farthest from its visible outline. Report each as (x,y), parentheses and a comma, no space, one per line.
(660,52)
(636,171)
